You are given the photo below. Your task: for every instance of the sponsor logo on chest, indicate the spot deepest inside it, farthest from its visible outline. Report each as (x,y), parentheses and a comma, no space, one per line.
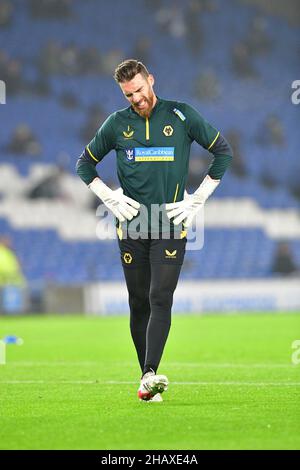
(150,154)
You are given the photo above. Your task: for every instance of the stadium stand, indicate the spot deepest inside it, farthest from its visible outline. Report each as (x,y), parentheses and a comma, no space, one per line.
(72,56)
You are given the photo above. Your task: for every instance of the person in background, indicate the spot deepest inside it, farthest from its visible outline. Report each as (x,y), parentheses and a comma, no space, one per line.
(10,268)
(24,142)
(283,263)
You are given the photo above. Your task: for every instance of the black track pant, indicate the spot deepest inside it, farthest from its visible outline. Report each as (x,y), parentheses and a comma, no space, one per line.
(151,286)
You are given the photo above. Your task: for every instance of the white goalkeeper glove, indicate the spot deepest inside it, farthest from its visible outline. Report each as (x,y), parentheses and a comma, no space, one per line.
(185,211)
(123,207)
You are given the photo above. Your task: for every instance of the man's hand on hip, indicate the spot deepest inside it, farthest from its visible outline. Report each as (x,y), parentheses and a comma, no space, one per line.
(185,211)
(123,207)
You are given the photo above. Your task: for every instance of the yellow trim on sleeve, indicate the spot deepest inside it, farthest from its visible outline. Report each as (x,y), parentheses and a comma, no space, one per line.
(214,140)
(94,158)
(176,192)
(147,129)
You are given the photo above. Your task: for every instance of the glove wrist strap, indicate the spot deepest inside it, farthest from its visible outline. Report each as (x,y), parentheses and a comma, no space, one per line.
(99,188)
(206,188)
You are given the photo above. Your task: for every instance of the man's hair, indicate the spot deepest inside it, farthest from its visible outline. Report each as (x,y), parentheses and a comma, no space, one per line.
(128,69)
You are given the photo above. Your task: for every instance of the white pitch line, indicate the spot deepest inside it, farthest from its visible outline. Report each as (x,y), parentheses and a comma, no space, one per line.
(248,384)
(113,382)
(166,365)
(50,382)
(226,365)
(52,363)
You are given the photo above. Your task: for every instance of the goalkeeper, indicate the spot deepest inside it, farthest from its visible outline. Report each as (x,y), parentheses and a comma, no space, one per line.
(152,139)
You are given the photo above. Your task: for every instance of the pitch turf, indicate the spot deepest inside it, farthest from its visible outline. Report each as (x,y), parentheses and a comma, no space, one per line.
(73,383)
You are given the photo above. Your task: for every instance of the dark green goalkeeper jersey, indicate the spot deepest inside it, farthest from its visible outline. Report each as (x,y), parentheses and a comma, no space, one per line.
(153,153)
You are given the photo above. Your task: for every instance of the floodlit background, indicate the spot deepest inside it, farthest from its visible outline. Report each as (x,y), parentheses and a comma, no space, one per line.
(235,61)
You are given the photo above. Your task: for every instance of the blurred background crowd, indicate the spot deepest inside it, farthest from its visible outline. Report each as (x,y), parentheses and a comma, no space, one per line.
(233,60)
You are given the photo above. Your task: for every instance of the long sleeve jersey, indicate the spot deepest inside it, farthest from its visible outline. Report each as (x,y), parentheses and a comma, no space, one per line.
(153,153)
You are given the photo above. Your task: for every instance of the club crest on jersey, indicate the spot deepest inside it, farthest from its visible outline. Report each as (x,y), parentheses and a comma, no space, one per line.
(168,130)
(129,133)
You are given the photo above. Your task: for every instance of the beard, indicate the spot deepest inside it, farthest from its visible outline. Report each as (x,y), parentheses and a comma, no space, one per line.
(145,112)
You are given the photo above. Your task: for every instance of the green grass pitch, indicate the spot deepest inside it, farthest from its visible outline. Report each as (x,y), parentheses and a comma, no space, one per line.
(73,384)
